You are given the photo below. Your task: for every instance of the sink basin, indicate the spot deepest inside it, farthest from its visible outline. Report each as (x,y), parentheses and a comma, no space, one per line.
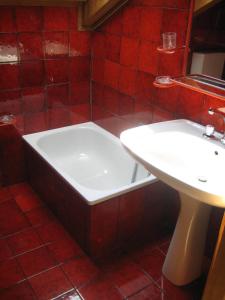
(178,154)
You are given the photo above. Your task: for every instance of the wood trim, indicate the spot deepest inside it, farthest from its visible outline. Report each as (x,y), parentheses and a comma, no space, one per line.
(39,2)
(188,38)
(215,285)
(95,12)
(202,5)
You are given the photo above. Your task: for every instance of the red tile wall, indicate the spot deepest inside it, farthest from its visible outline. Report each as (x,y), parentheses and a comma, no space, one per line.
(125,63)
(44,67)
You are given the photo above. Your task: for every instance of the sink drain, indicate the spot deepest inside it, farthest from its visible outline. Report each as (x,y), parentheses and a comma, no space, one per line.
(202,179)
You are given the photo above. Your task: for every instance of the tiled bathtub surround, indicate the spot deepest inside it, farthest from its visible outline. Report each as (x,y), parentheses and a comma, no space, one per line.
(39,260)
(44,66)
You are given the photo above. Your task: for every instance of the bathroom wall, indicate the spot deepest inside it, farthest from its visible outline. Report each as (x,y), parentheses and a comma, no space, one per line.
(125,62)
(44,67)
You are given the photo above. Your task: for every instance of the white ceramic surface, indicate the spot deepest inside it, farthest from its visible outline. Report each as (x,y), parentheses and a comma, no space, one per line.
(91,159)
(178,154)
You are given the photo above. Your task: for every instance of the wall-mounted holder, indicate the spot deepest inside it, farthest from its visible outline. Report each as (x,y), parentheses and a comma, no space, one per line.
(169,43)
(163,82)
(7,119)
(167,51)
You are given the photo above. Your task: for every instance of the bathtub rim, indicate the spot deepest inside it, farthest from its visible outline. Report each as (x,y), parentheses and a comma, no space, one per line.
(91,196)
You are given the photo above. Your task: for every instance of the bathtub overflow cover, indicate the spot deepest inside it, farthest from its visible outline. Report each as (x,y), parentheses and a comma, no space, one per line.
(202,179)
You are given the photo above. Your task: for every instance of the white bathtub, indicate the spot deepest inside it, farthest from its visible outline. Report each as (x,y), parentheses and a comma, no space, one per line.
(91,159)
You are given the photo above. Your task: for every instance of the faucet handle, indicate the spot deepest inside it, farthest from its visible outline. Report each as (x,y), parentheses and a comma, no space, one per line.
(209,131)
(211,111)
(219,110)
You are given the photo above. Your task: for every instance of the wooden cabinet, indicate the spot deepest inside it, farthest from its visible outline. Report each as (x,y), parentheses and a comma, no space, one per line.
(215,286)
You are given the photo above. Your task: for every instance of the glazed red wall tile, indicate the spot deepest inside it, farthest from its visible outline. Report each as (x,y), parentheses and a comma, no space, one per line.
(10,80)
(114,25)
(7,23)
(79,69)
(79,92)
(33,99)
(111,100)
(150,26)
(35,122)
(56,44)
(98,69)
(32,73)
(190,104)
(46,64)
(11,102)
(112,45)
(148,57)
(30,46)
(111,74)
(79,43)
(98,44)
(129,52)
(8,48)
(127,81)
(126,105)
(57,72)
(103,238)
(97,93)
(56,19)
(131,17)
(28,19)
(12,156)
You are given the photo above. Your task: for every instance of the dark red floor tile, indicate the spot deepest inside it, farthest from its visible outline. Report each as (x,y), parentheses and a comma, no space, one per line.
(50,284)
(144,250)
(177,293)
(164,247)
(35,261)
(129,278)
(72,295)
(150,293)
(152,263)
(52,232)
(28,201)
(20,291)
(11,218)
(5,251)
(65,249)
(20,188)
(10,273)
(100,289)
(40,216)
(80,271)
(24,241)
(5,194)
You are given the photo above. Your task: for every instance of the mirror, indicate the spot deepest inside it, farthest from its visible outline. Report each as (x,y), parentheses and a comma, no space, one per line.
(206,63)
(207,44)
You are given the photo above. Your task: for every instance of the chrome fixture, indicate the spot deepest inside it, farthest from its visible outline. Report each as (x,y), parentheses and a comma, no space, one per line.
(209,132)
(209,129)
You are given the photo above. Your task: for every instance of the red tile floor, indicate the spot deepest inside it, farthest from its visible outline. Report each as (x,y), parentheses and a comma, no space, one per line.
(39,260)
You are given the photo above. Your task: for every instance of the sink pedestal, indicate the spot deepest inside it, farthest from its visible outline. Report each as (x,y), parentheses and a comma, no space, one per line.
(183,262)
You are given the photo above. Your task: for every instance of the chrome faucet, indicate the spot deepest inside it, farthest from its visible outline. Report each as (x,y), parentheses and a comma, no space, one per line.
(209,129)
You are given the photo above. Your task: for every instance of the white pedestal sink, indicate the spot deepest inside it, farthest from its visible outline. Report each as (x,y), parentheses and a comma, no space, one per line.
(178,154)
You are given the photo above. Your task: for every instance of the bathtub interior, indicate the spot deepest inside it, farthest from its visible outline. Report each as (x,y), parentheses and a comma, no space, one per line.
(90,159)
(94,161)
